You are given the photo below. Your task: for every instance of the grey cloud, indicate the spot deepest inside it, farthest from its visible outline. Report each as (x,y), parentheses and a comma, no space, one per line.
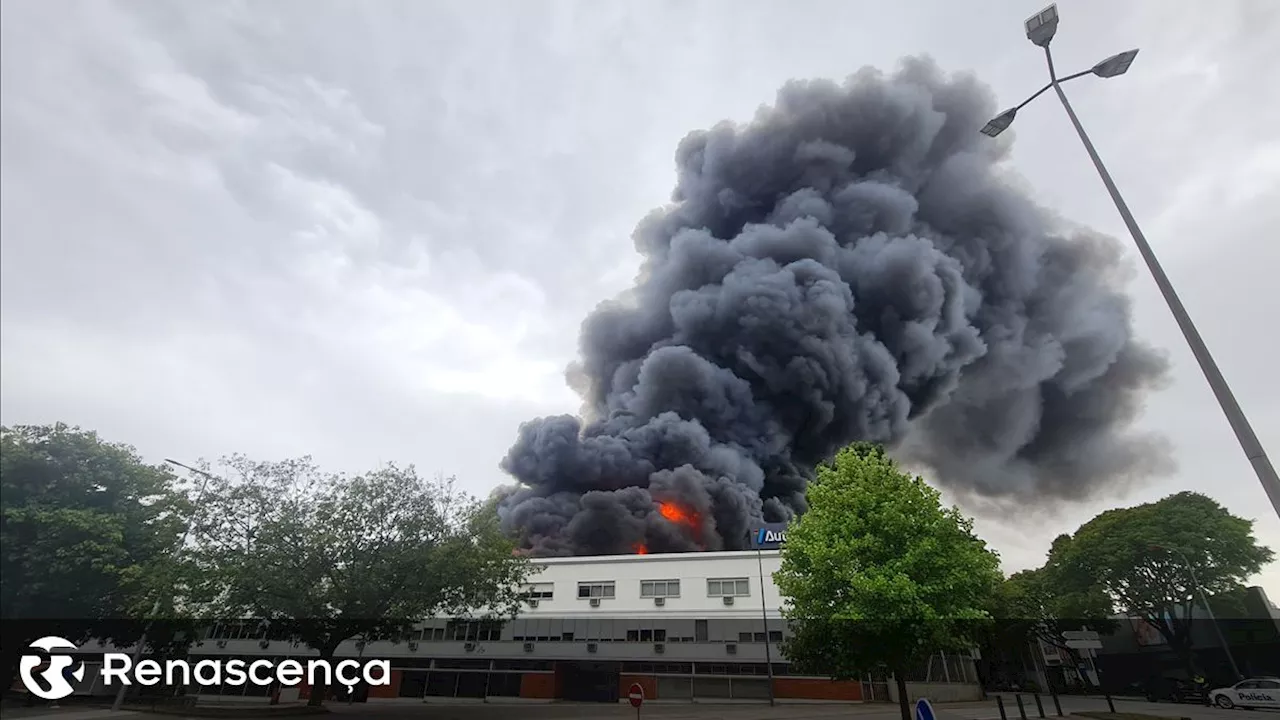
(371,231)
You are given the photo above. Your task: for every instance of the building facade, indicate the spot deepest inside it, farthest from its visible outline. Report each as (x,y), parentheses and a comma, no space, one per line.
(685,627)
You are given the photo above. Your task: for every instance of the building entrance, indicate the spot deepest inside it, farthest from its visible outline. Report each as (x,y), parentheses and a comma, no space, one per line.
(588,681)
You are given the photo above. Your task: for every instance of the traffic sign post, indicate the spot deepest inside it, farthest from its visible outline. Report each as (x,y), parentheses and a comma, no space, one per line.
(636,695)
(924,710)
(1082,639)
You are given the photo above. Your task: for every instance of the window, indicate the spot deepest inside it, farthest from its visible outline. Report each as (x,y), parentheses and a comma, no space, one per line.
(659,588)
(540,591)
(602,589)
(473,631)
(728,587)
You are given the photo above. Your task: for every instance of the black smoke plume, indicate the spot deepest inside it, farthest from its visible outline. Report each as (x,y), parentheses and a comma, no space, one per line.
(850,265)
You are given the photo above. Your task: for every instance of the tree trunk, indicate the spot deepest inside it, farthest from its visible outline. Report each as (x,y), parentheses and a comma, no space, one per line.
(9,663)
(320,691)
(904,704)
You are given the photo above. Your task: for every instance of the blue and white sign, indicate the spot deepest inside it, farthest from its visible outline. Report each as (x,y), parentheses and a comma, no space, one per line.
(924,711)
(769,536)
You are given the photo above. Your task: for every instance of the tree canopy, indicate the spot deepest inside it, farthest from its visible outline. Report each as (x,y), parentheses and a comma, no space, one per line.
(87,531)
(1145,558)
(1043,603)
(877,574)
(326,558)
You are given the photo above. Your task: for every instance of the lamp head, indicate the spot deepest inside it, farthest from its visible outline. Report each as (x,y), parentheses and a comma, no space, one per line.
(1042,26)
(1115,65)
(999,123)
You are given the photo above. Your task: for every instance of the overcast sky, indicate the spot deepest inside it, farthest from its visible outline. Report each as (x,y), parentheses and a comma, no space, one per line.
(368,231)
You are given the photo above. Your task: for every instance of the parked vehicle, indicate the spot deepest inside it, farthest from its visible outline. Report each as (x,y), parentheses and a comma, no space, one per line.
(1263,692)
(1171,689)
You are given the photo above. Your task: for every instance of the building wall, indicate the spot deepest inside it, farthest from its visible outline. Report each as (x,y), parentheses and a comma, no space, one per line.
(693,570)
(693,645)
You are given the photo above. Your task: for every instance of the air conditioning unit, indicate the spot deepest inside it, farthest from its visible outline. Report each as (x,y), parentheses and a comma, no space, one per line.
(659,601)
(728,601)
(222,643)
(595,602)
(413,646)
(264,644)
(592,647)
(533,603)
(659,648)
(528,647)
(469,647)
(731,648)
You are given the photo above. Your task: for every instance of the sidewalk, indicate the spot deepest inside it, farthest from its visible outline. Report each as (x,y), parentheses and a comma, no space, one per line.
(66,712)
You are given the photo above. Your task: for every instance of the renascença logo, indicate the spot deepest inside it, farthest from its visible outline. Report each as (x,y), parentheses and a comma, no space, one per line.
(55,676)
(119,668)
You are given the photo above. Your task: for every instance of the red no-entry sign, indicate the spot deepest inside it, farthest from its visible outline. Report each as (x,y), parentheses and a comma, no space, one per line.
(636,696)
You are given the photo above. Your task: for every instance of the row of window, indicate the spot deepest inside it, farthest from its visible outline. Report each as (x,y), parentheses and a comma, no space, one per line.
(716,587)
(649,635)
(540,631)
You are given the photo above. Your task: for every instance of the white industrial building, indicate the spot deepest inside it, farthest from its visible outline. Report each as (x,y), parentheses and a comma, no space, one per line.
(687,626)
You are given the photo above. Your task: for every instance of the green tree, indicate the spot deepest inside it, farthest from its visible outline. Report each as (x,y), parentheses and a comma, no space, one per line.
(327,558)
(1144,558)
(1043,603)
(877,574)
(87,531)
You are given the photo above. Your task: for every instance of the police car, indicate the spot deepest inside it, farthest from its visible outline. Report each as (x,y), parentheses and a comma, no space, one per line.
(1251,693)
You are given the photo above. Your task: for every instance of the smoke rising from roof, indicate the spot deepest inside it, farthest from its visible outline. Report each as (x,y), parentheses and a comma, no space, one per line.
(847,266)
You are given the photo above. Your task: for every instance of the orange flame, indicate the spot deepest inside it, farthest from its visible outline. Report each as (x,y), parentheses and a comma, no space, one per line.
(676,514)
(642,549)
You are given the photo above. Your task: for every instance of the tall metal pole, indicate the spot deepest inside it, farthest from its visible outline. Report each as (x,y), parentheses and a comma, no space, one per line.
(1204,600)
(764,617)
(155,608)
(1253,449)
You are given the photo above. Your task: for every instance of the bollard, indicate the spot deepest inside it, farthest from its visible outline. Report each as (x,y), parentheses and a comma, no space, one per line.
(1039,705)
(1022,711)
(1000,704)
(1110,704)
(1057,704)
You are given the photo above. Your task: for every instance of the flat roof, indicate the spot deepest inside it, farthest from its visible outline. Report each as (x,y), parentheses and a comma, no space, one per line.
(655,557)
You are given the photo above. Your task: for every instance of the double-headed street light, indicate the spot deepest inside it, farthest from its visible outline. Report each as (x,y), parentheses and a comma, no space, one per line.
(1041,28)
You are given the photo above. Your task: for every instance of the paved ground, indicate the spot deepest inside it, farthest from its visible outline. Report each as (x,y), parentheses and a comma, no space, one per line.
(658,711)
(63,713)
(956,711)
(1074,704)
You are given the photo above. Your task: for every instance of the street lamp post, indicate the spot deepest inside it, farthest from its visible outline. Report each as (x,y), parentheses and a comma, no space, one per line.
(1204,600)
(1041,28)
(177,552)
(764,618)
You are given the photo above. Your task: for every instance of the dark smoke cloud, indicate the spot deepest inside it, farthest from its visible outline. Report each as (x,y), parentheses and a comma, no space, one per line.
(847,266)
